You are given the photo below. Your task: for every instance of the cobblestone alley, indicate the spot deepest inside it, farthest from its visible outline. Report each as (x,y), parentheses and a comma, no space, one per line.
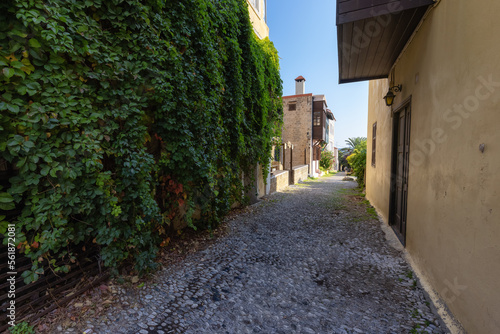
(312,259)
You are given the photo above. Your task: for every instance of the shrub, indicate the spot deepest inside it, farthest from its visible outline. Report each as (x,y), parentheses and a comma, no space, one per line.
(327,160)
(122,116)
(22,328)
(358,162)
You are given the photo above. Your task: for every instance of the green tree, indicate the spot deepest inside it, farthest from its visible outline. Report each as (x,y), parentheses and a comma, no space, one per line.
(343,154)
(353,142)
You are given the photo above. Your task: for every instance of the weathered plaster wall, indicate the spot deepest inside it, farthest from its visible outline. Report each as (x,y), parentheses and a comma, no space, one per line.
(336,152)
(314,171)
(261,182)
(379,176)
(331,135)
(451,69)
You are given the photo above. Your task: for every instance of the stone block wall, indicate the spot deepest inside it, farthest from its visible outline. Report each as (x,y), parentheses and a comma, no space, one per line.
(296,125)
(279,180)
(299,174)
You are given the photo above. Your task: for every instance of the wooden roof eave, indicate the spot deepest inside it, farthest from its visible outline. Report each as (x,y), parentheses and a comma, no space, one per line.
(363,57)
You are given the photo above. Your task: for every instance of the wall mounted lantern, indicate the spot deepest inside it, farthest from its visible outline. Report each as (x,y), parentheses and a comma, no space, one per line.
(389,97)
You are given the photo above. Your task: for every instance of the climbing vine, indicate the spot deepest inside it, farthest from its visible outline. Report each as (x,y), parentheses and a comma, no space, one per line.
(122,116)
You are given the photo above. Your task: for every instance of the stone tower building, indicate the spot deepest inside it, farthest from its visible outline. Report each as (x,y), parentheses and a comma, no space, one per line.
(306,120)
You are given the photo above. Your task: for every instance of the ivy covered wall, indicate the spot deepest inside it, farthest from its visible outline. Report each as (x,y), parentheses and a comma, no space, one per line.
(122,116)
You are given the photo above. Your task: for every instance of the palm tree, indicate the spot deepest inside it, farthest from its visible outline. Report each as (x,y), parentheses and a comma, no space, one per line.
(354,141)
(344,152)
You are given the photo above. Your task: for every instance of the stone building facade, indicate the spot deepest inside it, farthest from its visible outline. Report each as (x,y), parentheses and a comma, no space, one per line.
(297,128)
(306,121)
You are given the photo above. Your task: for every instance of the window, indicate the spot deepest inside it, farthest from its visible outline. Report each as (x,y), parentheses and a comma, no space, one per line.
(292,106)
(265,11)
(317,118)
(316,153)
(374,143)
(255,4)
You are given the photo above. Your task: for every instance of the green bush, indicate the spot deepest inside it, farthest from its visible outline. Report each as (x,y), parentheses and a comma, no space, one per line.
(22,328)
(124,115)
(327,160)
(358,162)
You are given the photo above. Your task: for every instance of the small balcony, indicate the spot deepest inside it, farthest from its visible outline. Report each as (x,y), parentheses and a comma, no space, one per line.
(319,120)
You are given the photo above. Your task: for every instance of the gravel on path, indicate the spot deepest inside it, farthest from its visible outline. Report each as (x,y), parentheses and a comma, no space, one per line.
(312,259)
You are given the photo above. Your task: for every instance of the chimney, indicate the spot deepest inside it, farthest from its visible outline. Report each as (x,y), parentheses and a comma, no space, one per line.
(300,85)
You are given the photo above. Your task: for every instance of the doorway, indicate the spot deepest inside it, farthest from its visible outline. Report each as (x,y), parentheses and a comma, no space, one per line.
(400,170)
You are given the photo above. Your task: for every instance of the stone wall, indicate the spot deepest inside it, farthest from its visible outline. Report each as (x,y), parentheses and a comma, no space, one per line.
(296,126)
(279,180)
(299,174)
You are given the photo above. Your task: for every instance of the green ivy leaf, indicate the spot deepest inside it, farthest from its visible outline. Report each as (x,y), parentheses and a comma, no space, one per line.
(34,43)
(111,107)
(13,108)
(29,144)
(53,172)
(44,171)
(6,198)
(82,28)
(16,64)
(8,72)
(21,90)
(6,202)
(7,207)
(3,225)
(19,33)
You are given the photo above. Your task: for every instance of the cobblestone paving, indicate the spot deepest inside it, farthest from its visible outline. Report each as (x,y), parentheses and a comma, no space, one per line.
(299,262)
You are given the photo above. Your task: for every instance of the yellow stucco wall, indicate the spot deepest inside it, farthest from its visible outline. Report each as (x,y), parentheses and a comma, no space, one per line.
(378,176)
(451,69)
(257,19)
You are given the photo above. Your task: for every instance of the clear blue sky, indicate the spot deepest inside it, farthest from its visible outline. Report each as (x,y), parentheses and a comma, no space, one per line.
(305,35)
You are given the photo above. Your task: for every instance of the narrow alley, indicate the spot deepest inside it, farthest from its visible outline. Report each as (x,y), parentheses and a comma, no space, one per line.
(312,259)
